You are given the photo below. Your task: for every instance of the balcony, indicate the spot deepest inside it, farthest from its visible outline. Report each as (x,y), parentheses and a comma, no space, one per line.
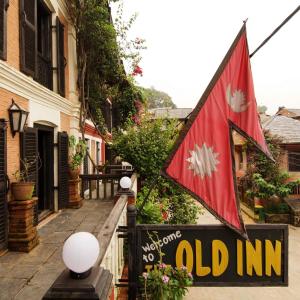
(44,72)
(30,275)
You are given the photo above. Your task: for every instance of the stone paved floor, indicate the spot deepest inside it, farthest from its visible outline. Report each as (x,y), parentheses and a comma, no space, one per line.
(292,292)
(28,276)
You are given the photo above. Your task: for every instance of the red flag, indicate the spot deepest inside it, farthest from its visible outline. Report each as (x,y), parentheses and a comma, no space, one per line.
(202,159)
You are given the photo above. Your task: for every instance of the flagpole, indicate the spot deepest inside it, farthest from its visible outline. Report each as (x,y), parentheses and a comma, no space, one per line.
(275,31)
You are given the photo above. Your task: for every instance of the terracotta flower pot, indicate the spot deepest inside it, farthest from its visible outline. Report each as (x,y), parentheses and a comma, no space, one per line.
(74,174)
(22,190)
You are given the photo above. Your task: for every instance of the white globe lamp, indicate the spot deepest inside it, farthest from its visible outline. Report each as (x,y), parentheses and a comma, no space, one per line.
(125,182)
(80,252)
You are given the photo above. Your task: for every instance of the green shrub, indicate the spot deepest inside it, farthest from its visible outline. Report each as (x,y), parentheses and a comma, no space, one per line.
(146,146)
(167,204)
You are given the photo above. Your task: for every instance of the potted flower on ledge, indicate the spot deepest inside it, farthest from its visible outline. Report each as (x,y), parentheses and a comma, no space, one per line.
(166,283)
(22,188)
(77,152)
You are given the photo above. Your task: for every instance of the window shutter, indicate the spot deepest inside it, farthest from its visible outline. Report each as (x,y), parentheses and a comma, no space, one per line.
(3,187)
(63,176)
(29,151)
(3,28)
(61,61)
(28,35)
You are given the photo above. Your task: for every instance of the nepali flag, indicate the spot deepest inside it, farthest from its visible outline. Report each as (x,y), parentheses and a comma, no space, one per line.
(202,159)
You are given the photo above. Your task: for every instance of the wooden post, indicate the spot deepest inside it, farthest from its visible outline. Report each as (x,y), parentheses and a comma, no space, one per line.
(97,286)
(132,267)
(131,197)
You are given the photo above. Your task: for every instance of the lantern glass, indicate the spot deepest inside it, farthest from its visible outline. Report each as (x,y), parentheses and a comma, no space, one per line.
(24,116)
(125,182)
(80,252)
(16,120)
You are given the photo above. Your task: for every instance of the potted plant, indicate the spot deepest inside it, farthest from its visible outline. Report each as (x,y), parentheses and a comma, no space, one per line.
(77,152)
(22,189)
(165,283)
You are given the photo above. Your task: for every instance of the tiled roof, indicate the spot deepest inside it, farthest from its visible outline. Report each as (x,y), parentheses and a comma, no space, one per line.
(289,112)
(286,128)
(170,113)
(296,111)
(264,118)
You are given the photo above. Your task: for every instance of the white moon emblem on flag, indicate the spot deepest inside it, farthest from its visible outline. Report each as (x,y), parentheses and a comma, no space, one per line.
(237,100)
(203,161)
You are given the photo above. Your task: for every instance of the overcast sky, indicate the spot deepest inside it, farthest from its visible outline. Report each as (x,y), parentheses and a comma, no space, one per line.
(187,40)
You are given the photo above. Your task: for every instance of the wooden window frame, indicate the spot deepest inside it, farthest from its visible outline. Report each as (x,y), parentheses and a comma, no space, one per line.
(61,60)
(44,58)
(294,161)
(3,51)
(39,60)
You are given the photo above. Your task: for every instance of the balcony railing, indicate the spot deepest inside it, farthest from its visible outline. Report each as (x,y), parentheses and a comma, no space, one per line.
(101,186)
(110,260)
(44,71)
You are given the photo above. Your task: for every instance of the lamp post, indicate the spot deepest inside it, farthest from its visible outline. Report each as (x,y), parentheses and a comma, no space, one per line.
(82,279)
(80,252)
(125,183)
(17,117)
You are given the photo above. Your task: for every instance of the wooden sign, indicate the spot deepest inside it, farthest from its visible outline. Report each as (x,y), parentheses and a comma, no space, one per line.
(215,255)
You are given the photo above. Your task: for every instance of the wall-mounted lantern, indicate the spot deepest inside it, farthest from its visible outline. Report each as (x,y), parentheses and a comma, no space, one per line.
(17,117)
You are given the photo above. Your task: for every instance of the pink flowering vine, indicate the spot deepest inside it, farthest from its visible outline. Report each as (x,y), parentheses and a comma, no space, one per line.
(137,71)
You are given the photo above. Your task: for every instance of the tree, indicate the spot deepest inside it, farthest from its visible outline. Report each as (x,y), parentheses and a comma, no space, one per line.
(262,109)
(147,147)
(156,99)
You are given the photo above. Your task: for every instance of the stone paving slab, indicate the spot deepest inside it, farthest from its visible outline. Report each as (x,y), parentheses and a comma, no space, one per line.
(29,275)
(292,292)
(9,287)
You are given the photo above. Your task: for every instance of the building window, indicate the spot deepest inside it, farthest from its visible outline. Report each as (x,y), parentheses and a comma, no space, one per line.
(294,161)
(44,46)
(36,44)
(3,28)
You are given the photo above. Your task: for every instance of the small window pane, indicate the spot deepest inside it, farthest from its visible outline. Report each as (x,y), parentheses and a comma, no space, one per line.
(294,161)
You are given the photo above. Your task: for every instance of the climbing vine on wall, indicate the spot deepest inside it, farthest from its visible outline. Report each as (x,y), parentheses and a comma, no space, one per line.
(101,73)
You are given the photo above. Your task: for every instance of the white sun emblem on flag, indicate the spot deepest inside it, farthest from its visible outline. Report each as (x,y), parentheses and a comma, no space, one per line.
(237,101)
(203,161)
